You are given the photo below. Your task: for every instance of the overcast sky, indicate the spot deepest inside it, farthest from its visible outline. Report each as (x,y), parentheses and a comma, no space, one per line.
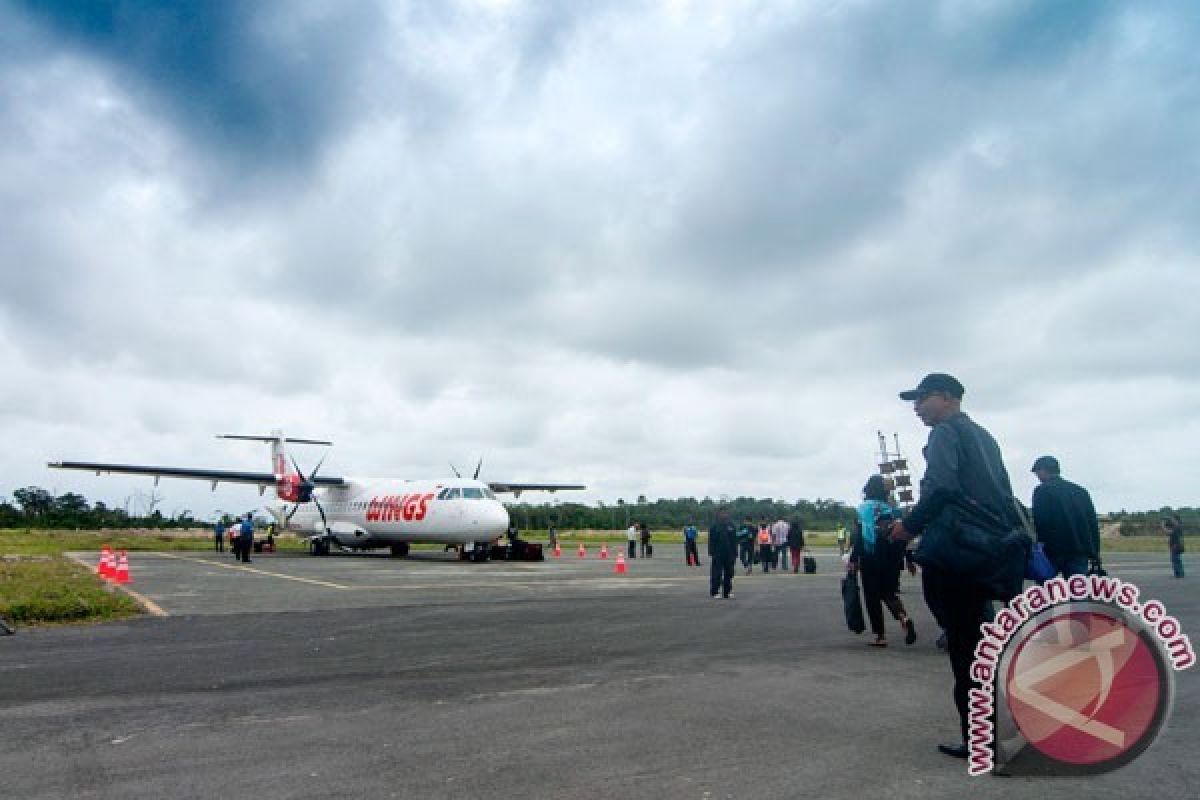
(671,249)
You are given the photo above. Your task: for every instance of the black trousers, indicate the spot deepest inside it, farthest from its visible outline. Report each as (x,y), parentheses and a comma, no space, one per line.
(690,554)
(720,575)
(879,584)
(960,608)
(766,556)
(746,551)
(219,543)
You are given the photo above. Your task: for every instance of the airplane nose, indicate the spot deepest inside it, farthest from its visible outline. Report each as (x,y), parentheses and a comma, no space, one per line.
(497,518)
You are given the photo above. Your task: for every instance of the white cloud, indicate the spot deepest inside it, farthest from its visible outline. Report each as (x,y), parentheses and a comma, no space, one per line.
(693,249)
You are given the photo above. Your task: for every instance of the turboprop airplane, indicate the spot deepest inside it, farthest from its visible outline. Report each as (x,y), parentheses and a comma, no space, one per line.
(360,513)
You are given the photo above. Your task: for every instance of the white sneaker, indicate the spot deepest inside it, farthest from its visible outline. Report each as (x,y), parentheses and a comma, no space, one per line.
(729,596)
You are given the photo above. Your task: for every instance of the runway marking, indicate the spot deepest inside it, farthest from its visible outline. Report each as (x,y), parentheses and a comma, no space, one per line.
(152,608)
(256,571)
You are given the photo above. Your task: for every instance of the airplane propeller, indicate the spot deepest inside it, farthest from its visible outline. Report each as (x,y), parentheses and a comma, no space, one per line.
(306,491)
(478,467)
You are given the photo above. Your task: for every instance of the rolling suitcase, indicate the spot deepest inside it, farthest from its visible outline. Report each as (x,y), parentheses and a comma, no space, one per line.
(810,565)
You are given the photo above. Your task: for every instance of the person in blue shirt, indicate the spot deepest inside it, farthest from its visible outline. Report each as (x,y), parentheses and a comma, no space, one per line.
(219,535)
(690,553)
(246,540)
(878,561)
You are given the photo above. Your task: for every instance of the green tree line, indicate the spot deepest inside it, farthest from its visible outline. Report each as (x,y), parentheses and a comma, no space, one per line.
(664,513)
(34,507)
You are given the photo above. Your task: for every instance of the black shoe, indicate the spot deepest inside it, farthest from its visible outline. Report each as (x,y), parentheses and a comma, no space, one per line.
(910,632)
(953,750)
(941,641)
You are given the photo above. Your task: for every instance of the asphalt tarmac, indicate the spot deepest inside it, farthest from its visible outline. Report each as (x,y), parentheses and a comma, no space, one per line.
(365,677)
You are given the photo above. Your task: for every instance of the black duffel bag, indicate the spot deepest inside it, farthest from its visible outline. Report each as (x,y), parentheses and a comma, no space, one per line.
(852,603)
(975,544)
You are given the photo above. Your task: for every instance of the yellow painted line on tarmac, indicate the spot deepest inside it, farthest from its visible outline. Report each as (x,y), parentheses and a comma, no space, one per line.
(255,570)
(151,607)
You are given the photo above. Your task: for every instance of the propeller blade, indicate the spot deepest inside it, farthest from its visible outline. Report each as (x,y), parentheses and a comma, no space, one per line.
(478,467)
(312,476)
(299,471)
(455,470)
(324,519)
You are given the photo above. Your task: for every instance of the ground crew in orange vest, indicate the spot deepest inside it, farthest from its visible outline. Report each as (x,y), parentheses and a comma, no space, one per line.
(765,554)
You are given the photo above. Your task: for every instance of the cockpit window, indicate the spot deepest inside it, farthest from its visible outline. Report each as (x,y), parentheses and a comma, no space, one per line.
(443,494)
(489,494)
(472,493)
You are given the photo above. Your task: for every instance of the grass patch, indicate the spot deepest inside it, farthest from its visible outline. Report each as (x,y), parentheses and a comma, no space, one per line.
(50,590)
(32,542)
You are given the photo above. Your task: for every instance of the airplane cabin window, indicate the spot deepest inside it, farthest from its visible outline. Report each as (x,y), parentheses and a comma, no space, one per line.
(473,493)
(454,494)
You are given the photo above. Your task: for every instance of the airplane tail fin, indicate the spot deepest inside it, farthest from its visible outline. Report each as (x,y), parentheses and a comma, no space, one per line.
(281,463)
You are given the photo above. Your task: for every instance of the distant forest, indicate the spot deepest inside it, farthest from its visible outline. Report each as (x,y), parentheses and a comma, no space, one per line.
(34,507)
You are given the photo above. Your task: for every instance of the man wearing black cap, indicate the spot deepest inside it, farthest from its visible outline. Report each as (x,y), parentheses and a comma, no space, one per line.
(1065,520)
(962,461)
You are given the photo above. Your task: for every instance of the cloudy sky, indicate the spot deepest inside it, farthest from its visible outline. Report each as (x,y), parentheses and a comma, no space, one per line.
(672,249)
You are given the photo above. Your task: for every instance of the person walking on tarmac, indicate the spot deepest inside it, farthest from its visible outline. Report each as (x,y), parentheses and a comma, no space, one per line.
(691,555)
(765,551)
(631,537)
(963,463)
(795,542)
(1065,520)
(722,554)
(647,548)
(747,539)
(879,561)
(219,535)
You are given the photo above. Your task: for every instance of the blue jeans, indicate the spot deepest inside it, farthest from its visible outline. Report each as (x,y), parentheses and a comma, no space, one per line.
(1177,564)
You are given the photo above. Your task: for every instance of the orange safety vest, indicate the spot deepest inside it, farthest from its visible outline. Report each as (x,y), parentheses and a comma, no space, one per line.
(764,535)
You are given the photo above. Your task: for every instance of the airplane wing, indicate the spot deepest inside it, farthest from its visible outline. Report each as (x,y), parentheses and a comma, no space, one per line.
(215,476)
(517,488)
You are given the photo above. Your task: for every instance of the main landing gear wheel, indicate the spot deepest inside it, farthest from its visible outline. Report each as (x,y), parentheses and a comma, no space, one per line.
(400,550)
(318,547)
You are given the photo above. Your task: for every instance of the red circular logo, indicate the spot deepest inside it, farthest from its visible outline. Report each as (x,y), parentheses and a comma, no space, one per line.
(1086,689)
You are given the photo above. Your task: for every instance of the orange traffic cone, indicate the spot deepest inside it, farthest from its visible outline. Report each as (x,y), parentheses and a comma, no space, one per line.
(582,551)
(105,568)
(620,567)
(557,550)
(604,551)
(122,576)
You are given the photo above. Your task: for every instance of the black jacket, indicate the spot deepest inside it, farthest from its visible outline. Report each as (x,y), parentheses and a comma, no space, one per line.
(962,461)
(1065,520)
(722,540)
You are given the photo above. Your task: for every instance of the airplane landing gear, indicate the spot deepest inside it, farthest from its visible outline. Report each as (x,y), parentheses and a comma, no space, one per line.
(318,546)
(400,550)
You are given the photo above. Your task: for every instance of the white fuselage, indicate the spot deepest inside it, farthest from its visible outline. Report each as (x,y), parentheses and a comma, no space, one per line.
(370,512)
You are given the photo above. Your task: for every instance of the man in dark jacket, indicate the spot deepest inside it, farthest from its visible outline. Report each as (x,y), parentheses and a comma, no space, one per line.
(722,553)
(962,463)
(1065,520)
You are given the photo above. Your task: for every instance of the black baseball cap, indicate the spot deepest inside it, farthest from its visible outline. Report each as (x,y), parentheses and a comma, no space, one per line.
(1048,463)
(935,382)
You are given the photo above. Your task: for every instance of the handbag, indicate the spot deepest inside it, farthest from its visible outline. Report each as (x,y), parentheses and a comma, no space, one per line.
(852,604)
(1039,567)
(977,544)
